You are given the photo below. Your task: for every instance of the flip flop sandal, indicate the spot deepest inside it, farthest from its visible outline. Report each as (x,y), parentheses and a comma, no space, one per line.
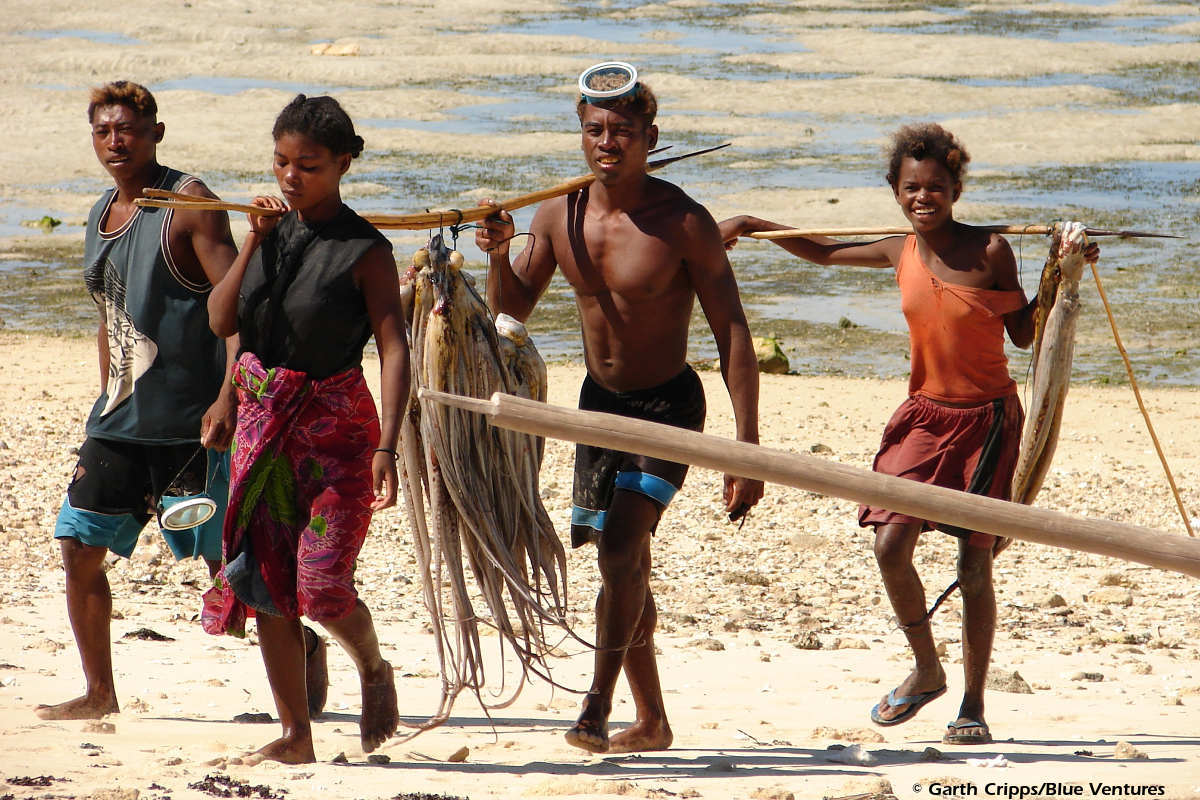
(953,737)
(914,703)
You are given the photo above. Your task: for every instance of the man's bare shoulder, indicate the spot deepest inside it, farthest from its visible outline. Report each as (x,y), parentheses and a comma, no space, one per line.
(553,212)
(675,209)
(665,192)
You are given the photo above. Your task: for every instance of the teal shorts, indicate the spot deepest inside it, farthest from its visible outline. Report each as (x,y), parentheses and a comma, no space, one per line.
(118,485)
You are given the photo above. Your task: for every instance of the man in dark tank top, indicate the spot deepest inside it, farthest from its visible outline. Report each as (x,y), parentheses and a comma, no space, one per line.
(166,408)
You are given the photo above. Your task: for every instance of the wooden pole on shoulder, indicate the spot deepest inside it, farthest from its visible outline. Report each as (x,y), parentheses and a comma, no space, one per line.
(985,514)
(1040,230)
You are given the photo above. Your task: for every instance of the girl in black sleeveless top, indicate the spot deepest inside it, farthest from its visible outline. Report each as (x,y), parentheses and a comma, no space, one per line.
(312,284)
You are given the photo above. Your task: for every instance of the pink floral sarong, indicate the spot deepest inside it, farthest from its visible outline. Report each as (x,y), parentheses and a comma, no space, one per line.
(299,497)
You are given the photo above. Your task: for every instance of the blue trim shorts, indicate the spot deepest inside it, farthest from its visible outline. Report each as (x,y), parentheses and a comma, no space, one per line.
(599,471)
(117,487)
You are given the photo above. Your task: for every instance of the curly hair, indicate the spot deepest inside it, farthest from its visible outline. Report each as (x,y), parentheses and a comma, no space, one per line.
(132,95)
(927,140)
(321,119)
(640,103)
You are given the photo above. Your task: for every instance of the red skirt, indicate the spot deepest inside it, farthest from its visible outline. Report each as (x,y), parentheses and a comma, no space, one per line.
(969,449)
(299,496)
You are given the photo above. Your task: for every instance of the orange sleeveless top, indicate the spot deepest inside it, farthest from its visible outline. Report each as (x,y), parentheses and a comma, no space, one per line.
(956,334)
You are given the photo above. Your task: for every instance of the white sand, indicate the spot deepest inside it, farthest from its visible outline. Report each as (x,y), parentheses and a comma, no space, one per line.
(751,712)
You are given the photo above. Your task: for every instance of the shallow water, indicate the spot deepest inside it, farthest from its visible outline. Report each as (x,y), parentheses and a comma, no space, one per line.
(100,37)
(840,320)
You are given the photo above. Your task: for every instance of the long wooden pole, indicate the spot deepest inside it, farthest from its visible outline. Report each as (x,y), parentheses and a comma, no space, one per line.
(1103,537)
(1042,230)
(437,219)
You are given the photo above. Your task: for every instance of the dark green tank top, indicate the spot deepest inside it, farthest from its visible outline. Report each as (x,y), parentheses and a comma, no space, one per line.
(165,365)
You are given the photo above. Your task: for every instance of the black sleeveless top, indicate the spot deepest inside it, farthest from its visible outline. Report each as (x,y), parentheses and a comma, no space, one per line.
(299,307)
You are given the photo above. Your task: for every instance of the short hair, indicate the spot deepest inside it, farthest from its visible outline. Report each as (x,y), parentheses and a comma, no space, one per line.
(927,140)
(321,119)
(123,93)
(640,103)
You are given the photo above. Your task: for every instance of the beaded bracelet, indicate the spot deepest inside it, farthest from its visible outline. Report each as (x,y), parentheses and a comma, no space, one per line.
(394,454)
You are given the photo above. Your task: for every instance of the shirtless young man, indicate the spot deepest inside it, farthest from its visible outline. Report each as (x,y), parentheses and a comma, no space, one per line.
(638,252)
(164,391)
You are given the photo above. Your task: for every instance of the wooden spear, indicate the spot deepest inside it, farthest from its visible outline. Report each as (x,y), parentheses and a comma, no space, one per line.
(792,233)
(454,216)
(972,512)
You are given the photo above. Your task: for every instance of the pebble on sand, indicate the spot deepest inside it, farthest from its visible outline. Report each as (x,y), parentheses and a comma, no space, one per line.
(1124,750)
(806,640)
(848,734)
(1111,596)
(1008,681)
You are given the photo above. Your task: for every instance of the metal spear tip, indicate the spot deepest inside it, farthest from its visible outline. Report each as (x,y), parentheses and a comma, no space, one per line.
(662,162)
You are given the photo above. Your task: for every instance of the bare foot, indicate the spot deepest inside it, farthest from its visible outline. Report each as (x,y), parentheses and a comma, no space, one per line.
(380,715)
(642,736)
(588,735)
(590,731)
(85,707)
(286,750)
(316,671)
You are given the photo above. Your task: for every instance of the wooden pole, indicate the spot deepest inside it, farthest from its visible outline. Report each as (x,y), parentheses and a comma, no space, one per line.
(985,514)
(1040,230)
(792,233)
(455,216)
(205,204)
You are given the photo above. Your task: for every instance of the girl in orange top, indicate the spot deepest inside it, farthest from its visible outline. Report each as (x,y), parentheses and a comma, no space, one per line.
(961,424)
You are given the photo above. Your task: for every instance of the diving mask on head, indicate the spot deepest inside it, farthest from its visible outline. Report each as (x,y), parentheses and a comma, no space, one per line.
(180,512)
(607,81)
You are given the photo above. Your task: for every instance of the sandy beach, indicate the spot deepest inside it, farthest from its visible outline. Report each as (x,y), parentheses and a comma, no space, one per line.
(1105,650)
(776,639)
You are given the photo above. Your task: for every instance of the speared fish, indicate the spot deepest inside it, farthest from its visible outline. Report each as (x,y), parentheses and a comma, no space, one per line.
(480,482)
(1053,350)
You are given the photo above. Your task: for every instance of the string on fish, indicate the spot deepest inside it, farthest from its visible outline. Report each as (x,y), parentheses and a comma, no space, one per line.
(456,228)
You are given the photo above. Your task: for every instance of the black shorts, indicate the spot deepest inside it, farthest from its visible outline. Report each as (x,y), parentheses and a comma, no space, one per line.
(115,477)
(599,471)
(117,486)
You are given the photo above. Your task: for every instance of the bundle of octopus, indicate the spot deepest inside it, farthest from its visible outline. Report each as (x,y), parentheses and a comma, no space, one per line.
(480,483)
